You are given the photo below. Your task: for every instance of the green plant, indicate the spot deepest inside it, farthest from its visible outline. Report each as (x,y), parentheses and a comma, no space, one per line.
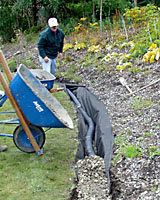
(132,151)
(12,64)
(31,37)
(120,142)
(153,151)
(77,79)
(152,55)
(7,22)
(69,75)
(28,63)
(101,68)
(67,46)
(139,103)
(94,48)
(80,46)
(147,18)
(135,69)
(148,134)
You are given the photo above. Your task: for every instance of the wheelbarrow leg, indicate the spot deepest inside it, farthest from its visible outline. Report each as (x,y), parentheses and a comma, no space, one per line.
(15,105)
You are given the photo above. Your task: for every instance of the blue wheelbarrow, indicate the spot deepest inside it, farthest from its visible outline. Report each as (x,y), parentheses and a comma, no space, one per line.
(35,107)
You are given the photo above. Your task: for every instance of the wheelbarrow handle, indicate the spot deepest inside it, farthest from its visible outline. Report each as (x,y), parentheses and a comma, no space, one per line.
(14,103)
(5,66)
(56,90)
(19,114)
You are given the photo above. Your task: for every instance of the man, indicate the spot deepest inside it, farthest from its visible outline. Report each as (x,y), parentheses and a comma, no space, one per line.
(50,45)
(3,148)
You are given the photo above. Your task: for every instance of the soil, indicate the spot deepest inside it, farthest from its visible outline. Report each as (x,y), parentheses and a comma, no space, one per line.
(135,121)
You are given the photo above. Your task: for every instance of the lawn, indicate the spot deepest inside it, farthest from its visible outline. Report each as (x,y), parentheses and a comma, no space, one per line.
(31,177)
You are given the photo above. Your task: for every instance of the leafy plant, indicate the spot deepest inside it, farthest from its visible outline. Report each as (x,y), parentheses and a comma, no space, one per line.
(132,151)
(12,63)
(135,69)
(67,46)
(94,48)
(147,18)
(80,46)
(153,151)
(152,54)
(27,62)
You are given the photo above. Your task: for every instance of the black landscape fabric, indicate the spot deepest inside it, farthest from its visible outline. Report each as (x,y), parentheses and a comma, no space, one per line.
(103,135)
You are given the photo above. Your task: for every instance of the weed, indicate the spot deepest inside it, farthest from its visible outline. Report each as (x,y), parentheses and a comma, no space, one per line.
(153,151)
(148,134)
(27,62)
(101,68)
(77,79)
(135,69)
(132,151)
(12,63)
(139,103)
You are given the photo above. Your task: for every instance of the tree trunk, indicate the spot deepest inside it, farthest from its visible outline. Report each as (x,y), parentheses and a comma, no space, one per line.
(135,3)
(93,10)
(28,20)
(34,12)
(101,4)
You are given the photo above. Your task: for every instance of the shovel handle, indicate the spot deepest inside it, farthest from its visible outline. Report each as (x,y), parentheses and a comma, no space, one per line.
(144,87)
(128,89)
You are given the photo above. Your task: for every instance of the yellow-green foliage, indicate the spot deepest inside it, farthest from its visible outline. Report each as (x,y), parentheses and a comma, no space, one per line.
(123,66)
(111,56)
(142,14)
(67,46)
(84,25)
(83,32)
(94,48)
(152,54)
(79,46)
(125,57)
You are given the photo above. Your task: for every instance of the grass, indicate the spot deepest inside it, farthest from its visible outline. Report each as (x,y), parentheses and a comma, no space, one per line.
(31,177)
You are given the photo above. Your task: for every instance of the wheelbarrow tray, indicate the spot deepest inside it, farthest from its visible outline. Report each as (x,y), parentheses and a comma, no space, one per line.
(46,78)
(36,102)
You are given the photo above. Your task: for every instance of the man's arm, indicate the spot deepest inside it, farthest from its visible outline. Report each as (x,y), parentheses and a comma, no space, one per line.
(41,47)
(62,44)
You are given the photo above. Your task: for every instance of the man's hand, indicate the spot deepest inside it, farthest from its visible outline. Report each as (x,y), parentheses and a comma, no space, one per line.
(46,59)
(60,54)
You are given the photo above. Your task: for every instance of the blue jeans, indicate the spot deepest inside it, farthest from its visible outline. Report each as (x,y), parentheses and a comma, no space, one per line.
(49,66)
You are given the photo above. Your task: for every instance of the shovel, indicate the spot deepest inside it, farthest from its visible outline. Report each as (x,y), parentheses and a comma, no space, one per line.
(18,52)
(124,83)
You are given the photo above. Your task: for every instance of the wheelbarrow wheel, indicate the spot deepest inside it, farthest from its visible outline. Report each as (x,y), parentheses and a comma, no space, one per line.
(22,141)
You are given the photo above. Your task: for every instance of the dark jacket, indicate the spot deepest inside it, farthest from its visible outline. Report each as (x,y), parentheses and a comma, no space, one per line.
(50,43)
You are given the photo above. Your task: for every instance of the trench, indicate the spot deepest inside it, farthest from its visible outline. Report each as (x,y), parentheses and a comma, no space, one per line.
(95,131)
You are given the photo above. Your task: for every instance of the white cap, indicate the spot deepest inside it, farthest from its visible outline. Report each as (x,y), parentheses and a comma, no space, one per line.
(52,22)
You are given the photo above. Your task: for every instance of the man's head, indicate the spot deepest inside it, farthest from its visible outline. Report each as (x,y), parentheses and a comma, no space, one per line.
(53,24)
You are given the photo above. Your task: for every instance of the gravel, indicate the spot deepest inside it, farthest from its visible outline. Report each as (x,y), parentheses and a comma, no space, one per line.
(135,121)
(91,179)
